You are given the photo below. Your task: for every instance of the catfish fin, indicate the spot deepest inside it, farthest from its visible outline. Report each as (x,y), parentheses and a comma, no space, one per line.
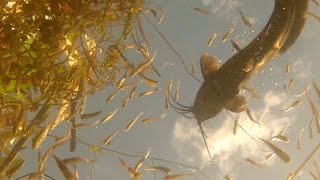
(236,104)
(209,65)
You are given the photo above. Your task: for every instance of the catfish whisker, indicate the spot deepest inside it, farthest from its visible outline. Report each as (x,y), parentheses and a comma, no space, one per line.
(181,105)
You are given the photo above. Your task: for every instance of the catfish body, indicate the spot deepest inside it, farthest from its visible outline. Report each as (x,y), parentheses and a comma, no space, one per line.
(221,86)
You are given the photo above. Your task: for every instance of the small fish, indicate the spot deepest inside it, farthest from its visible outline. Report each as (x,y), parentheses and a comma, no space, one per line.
(310,129)
(162,17)
(176,177)
(122,80)
(85,125)
(245,20)
(235,45)
(63,168)
(212,38)
(40,137)
(90,115)
(131,172)
(317,89)
(132,92)
(235,126)
(317,125)
(130,46)
(312,106)
(61,140)
(108,139)
(143,65)
(226,34)
(153,12)
(150,82)
(250,117)
(291,82)
(299,139)
(193,70)
(169,85)
(159,168)
(131,123)
(304,92)
(317,168)
(287,69)
(76,160)
(147,120)
(176,94)
(109,116)
(147,93)
(125,102)
(281,138)
(269,156)
(200,10)
(294,104)
(113,95)
(279,152)
(284,129)
(167,100)
(253,162)
(139,163)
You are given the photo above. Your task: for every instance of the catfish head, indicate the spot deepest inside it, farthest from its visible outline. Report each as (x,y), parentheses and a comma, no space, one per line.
(211,99)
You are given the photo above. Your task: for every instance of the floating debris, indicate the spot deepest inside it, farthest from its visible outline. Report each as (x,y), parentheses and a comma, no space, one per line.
(40,137)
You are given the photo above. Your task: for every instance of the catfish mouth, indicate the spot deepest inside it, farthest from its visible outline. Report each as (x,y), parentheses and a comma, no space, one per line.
(199,111)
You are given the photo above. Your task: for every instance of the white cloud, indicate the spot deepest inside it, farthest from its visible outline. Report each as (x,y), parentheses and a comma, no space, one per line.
(222,6)
(229,149)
